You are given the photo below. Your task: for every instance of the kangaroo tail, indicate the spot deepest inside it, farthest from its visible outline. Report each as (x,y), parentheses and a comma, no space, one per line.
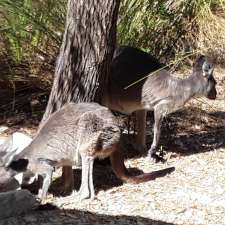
(117,162)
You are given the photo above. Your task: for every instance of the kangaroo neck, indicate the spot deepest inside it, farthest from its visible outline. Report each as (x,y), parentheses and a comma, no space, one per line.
(191,87)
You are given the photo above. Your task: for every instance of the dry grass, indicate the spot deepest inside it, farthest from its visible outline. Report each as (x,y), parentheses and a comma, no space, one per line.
(211,37)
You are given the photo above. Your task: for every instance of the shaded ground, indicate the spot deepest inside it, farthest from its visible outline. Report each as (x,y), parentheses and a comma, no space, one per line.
(69,217)
(194,142)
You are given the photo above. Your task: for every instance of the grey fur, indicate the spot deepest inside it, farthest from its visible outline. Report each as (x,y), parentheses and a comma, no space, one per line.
(161,93)
(86,130)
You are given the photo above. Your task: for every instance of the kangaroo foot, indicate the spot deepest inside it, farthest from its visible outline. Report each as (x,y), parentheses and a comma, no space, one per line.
(156,157)
(74,197)
(84,193)
(67,185)
(63,189)
(78,196)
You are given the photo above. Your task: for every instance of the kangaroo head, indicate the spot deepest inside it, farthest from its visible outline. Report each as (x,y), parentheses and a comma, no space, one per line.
(18,169)
(12,176)
(11,168)
(203,68)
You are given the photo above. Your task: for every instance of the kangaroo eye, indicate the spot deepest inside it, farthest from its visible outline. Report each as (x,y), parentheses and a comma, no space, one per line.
(207,67)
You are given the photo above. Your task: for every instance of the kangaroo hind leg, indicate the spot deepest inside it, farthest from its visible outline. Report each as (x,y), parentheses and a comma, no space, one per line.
(87,186)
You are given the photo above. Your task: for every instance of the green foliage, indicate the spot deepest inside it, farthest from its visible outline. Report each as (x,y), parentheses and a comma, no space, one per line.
(171,28)
(28,25)
(167,28)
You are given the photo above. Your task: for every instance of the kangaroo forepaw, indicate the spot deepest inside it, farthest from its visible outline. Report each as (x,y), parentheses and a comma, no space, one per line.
(156,157)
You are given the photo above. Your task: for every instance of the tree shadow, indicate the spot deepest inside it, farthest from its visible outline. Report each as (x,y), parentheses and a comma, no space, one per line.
(185,132)
(193,131)
(193,143)
(218,114)
(61,216)
(103,177)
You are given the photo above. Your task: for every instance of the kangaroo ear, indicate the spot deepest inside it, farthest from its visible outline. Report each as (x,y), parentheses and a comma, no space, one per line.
(207,69)
(199,62)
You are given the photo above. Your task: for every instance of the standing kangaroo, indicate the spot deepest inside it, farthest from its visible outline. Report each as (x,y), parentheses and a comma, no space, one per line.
(85,130)
(159,92)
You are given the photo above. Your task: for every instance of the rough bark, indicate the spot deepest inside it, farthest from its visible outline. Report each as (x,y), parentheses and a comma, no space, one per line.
(86,52)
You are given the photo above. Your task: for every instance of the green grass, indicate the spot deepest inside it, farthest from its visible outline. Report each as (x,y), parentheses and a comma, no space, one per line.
(168,29)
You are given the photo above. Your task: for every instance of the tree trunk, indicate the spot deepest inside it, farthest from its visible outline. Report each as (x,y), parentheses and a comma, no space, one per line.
(86,53)
(85,56)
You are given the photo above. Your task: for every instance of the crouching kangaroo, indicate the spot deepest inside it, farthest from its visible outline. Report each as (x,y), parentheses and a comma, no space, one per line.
(85,130)
(159,92)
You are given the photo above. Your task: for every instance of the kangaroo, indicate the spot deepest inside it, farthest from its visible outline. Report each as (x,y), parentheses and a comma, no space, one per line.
(159,92)
(85,130)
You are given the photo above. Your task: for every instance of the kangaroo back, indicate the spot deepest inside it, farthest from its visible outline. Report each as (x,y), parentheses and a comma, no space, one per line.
(131,64)
(128,66)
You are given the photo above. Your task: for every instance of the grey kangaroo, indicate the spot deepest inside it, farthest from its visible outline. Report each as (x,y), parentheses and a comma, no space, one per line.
(85,130)
(159,92)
